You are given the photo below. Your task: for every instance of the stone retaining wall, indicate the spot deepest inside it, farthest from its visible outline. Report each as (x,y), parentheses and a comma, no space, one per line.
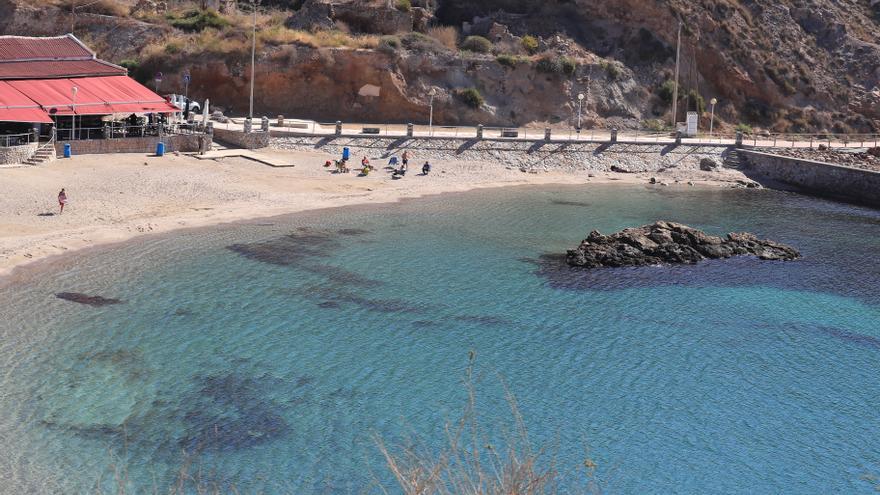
(239,139)
(16,154)
(146,144)
(818,178)
(523,155)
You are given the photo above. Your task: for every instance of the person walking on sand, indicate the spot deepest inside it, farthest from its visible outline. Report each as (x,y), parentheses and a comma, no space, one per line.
(62,200)
(405,159)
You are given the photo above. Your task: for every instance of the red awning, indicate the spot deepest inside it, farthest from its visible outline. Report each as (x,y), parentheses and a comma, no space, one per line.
(94,96)
(125,95)
(16,107)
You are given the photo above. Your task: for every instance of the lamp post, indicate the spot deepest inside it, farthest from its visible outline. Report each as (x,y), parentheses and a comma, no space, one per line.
(712,104)
(580,108)
(433,93)
(254,4)
(73,90)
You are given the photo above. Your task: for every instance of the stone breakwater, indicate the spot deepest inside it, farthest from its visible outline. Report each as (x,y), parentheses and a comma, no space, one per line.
(535,156)
(670,243)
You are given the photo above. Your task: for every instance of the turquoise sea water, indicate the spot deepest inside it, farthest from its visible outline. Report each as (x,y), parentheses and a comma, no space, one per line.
(279,349)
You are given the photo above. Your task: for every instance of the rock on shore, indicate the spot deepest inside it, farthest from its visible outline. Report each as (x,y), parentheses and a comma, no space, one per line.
(670,243)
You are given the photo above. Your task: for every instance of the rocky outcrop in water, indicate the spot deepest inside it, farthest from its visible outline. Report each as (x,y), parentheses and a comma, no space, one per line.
(670,243)
(96,301)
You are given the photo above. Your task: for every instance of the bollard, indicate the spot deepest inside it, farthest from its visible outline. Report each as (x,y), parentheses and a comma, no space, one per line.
(281,121)
(67,150)
(480,131)
(248,125)
(160,149)
(739,139)
(677,137)
(409,130)
(264,124)
(338,128)
(547,134)
(614,135)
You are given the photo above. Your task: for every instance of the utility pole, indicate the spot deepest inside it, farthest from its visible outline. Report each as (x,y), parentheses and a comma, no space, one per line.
(254,3)
(675,86)
(433,93)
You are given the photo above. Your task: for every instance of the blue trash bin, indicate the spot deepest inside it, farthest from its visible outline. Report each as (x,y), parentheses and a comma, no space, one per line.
(160,149)
(66,150)
(346,153)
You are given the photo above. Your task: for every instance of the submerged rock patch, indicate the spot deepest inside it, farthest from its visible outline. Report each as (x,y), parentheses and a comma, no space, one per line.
(95,301)
(670,243)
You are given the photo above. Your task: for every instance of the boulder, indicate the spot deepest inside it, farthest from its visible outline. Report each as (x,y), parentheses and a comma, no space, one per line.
(670,243)
(709,164)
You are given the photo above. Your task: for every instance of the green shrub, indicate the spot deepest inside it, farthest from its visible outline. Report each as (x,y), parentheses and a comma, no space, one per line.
(510,61)
(389,44)
(567,65)
(403,5)
(131,65)
(699,101)
(655,125)
(476,44)
(612,70)
(197,20)
(419,42)
(530,44)
(548,65)
(667,91)
(471,97)
(744,128)
(173,47)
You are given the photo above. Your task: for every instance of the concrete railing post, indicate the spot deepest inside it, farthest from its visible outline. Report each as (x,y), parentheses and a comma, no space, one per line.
(614,135)
(480,131)
(248,126)
(409,130)
(739,139)
(338,128)
(677,137)
(547,134)
(281,121)
(264,124)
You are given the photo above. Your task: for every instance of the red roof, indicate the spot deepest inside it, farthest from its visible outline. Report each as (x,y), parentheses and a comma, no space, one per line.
(44,58)
(30,48)
(16,107)
(94,96)
(58,68)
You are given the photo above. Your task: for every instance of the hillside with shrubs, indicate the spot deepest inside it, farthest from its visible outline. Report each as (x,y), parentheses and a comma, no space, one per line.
(789,66)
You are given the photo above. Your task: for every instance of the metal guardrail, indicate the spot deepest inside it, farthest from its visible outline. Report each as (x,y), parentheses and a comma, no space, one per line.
(8,140)
(125,131)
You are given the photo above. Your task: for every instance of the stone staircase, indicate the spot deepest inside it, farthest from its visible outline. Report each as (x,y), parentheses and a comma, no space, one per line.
(44,154)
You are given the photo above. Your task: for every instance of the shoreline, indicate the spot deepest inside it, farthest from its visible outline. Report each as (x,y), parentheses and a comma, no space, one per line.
(23,251)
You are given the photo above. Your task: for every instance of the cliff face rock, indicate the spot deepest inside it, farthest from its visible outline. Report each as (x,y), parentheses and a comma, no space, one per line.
(787,65)
(670,243)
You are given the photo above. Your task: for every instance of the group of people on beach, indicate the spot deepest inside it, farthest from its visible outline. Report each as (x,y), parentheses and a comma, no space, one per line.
(367,167)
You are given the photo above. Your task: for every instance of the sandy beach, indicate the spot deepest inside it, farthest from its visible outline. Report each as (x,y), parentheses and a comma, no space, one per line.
(114,198)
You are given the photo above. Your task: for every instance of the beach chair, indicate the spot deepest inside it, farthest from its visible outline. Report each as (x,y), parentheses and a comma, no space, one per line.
(392,162)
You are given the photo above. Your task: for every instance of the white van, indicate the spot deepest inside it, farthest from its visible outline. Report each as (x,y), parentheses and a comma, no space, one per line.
(179,101)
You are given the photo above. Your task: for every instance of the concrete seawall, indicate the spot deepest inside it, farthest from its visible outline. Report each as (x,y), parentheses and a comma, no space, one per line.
(821,179)
(147,144)
(526,155)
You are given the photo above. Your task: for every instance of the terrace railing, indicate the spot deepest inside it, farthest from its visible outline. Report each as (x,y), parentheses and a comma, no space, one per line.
(8,140)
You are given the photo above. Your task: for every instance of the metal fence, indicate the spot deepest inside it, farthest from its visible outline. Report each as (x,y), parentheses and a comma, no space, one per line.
(118,131)
(7,140)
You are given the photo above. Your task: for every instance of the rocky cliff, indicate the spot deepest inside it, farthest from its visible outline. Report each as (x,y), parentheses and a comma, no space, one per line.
(788,66)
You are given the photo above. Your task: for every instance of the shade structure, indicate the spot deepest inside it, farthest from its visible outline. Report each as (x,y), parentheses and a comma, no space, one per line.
(16,107)
(94,96)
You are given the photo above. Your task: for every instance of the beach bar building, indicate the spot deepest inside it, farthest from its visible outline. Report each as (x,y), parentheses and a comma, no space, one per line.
(56,89)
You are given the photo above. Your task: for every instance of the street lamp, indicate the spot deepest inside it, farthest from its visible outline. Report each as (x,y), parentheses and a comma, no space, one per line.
(73,90)
(254,3)
(580,107)
(433,93)
(712,104)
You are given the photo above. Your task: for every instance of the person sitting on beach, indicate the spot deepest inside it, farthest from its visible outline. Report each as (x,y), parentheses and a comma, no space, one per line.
(365,164)
(62,200)
(426,168)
